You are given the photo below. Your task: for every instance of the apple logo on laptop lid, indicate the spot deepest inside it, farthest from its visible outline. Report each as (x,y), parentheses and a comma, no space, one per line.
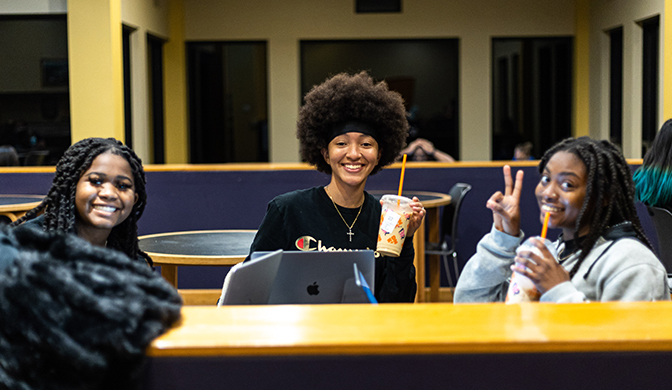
(313,289)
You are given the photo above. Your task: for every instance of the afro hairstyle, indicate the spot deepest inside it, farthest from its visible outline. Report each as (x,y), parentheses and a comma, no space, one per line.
(344,98)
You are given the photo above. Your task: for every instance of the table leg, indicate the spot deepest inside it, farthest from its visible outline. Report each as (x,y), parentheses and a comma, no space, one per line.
(434,260)
(419,262)
(12,216)
(169,272)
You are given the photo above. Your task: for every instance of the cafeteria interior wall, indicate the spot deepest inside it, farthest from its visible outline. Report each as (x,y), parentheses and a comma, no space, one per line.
(284,24)
(149,15)
(145,17)
(202,200)
(33,6)
(604,16)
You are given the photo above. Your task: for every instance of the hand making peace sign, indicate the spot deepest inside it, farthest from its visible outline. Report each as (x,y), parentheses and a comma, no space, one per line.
(505,207)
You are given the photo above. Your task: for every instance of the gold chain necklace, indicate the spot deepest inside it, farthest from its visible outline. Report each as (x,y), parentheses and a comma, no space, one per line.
(349,233)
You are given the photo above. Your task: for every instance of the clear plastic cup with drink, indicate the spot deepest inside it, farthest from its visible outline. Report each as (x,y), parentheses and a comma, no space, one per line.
(394,218)
(521,288)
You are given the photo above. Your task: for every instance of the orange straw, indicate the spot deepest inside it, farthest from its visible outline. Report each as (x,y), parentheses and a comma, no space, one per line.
(544,229)
(401,179)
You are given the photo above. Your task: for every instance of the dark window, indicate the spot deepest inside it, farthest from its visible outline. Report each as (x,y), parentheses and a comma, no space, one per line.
(616,86)
(34,90)
(377,6)
(532,94)
(651,39)
(128,92)
(155,49)
(423,71)
(227,102)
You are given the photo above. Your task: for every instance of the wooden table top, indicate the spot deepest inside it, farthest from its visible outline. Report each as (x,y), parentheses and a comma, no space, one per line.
(198,247)
(12,203)
(436,328)
(428,199)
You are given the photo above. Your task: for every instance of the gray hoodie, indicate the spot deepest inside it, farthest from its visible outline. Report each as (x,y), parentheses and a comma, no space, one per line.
(618,268)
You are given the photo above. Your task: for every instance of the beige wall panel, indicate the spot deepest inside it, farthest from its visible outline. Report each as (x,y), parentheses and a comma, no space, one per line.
(284,23)
(147,17)
(606,15)
(33,6)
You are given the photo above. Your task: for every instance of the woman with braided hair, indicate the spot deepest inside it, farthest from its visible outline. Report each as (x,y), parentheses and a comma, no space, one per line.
(349,128)
(603,254)
(98,193)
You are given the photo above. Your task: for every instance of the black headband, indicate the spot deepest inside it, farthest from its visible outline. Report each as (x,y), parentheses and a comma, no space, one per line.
(353,127)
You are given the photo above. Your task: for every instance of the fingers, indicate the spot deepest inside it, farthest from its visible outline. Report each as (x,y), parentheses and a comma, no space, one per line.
(418,208)
(511,188)
(518,187)
(497,205)
(508,182)
(419,213)
(494,201)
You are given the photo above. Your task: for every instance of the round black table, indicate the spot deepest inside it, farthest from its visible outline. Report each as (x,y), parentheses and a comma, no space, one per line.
(198,247)
(15,206)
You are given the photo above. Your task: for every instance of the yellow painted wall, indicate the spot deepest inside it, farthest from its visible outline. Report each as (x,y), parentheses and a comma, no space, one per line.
(284,23)
(581,115)
(175,90)
(667,61)
(95,67)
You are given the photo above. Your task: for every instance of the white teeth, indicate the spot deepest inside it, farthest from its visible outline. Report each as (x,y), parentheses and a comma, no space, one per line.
(108,209)
(353,166)
(550,208)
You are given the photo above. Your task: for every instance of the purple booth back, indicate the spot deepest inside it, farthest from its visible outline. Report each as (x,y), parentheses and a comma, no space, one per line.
(200,200)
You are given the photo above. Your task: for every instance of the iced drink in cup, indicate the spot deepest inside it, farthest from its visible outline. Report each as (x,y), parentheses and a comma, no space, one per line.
(394,219)
(521,288)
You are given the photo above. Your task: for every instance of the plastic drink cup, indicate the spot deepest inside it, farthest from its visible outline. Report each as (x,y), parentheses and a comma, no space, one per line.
(394,219)
(521,288)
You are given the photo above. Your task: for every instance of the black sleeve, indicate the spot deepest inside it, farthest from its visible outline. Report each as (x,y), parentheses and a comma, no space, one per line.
(271,233)
(395,276)
(8,250)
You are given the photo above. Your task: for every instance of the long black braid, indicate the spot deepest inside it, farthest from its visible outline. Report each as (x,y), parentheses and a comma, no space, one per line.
(59,204)
(610,193)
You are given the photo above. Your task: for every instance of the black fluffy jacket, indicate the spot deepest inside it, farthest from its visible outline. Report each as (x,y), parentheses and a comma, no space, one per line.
(75,316)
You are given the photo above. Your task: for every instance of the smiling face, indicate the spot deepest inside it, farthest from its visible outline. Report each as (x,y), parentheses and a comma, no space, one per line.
(352,157)
(105,196)
(562,192)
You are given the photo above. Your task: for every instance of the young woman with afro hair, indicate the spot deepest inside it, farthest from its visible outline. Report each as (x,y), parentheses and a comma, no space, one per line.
(98,194)
(349,128)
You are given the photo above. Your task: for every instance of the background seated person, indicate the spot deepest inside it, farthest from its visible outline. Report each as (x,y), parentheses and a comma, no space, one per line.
(653,179)
(423,150)
(8,156)
(348,128)
(523,152)
(603,253)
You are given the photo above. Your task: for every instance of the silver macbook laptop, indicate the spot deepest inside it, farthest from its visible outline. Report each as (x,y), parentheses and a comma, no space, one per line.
(250,283)
(320,277)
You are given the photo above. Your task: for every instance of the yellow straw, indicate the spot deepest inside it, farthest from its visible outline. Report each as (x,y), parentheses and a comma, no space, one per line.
(401,179)
(545,227)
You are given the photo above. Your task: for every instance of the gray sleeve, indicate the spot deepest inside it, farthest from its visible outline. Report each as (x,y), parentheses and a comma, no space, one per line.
(631,272)
(485,276)
(564,292)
